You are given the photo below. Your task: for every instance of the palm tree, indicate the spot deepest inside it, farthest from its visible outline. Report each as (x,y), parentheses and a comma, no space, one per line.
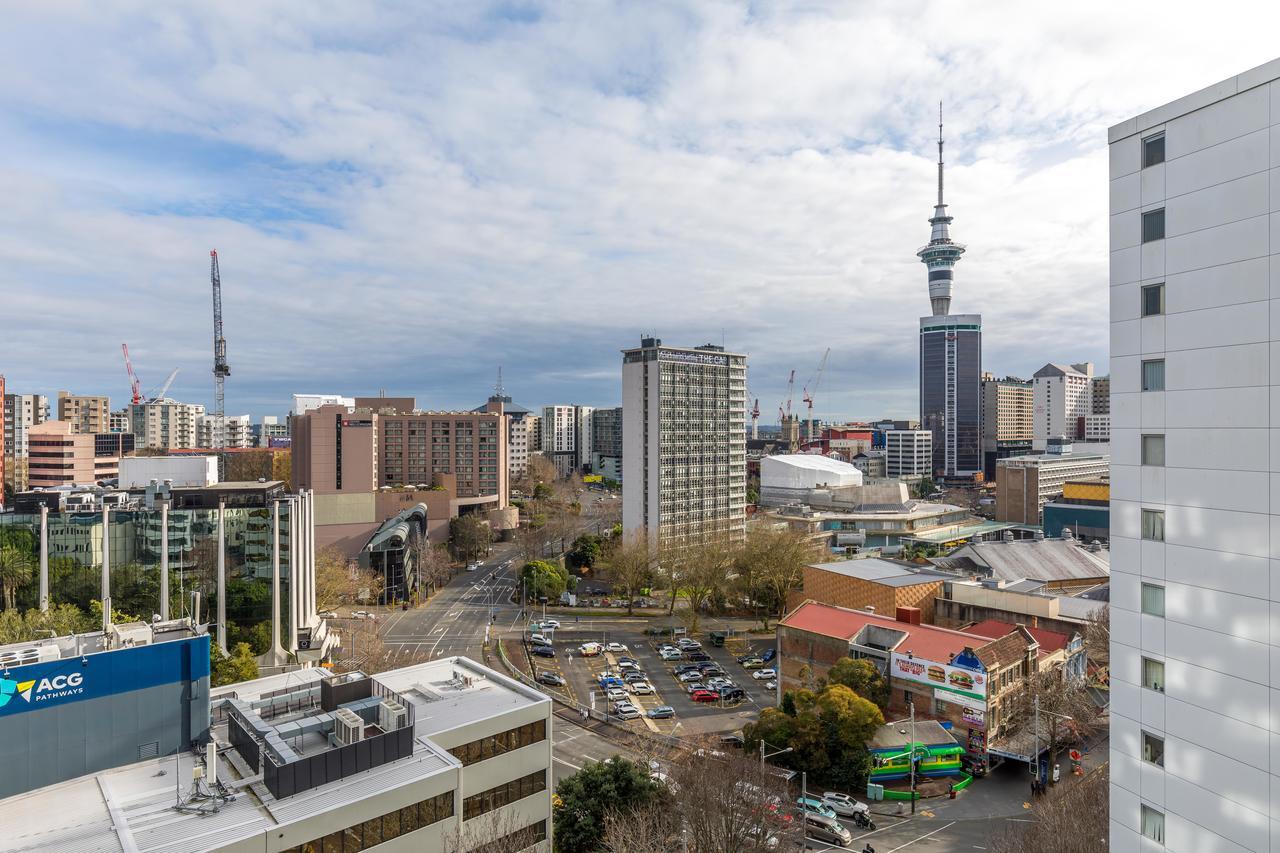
(16,569)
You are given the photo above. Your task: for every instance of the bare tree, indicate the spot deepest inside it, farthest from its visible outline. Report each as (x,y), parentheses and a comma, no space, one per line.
(630,564)
(1066,707)
(772,564)
(705,573)
(339,580)
(1071,818)
(432,567)
(494,832)
(654,828)
(1097,636)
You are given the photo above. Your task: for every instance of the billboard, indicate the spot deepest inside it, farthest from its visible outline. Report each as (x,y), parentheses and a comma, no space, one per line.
(971,711)
(967,683)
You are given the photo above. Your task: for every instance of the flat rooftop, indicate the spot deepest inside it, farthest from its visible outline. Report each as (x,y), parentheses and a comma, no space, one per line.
(95,642)
(131,808)
(882,572)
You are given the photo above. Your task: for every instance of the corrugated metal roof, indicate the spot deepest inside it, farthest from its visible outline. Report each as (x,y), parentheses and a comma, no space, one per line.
(1045,560)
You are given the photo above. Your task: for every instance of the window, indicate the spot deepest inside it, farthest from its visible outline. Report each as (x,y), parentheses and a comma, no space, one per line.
(1153,749)
(1152,824)
(1152,599)
(1153,675)
(1153,225)
(504,794)
(1153,150)
(1153,525)
(386,827)
(1153,450)
(1153,375)
(503,742)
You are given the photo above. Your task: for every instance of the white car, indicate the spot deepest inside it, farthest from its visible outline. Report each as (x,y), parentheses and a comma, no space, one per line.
(615,647)
(471,567)
(764,675)
(671,654)
(589,650)
(641,688)
(615,694)
(843,804)
(692,675)
(545,624)
(771,685)
(539,640)
(626,710)
(327,614)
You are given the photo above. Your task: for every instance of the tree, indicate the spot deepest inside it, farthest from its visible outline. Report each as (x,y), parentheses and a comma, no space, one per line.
(16,568)
(1064,700)
(432,568)
(240,665)
(585,551)
(616,785)
(1097,636)
(923,488)
(630,565)
(862,677)
(1072,818)
(772,564)
(470,536)
(61,619)
(541,578)
(338,581)
(704,572)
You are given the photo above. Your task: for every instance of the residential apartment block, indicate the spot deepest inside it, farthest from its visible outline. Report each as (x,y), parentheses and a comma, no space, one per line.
(1007,412)
(58,456)
(606,443)
(166,424)
(85,413)
(237,431)
(566,437)
(21,413)
(1195,249)
(684,440)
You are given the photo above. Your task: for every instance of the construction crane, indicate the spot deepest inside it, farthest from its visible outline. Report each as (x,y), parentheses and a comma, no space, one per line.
(808,395)
(221,370)
(159,393)
(134,385)
(755,420)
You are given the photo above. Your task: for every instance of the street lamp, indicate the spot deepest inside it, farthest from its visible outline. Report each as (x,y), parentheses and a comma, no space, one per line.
(763,756)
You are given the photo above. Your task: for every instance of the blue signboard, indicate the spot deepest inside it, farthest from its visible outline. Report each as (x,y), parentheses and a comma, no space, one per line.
(76,679)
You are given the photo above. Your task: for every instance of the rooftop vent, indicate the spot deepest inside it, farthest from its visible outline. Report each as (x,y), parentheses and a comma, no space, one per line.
(348,726)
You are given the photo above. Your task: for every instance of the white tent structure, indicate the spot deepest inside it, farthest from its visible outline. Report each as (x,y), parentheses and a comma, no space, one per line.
(791,478)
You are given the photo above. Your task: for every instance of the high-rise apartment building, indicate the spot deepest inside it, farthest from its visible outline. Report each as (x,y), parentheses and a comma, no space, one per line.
(950,356)
(1195,249)
(85,413)
(519,420)
(1007,410)
(118,421)
(267,430)
(237,431)
(566,437)
(908,453)
(684,441)
(21,413)
(1063,398)
(166,424)
(606,443)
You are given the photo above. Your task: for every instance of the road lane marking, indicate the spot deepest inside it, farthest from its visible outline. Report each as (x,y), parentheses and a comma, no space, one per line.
(922,838)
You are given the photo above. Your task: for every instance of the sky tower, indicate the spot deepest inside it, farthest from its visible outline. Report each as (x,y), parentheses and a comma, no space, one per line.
(941,254)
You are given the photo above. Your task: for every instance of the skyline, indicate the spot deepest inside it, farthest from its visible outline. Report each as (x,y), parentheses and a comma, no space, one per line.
(405,202)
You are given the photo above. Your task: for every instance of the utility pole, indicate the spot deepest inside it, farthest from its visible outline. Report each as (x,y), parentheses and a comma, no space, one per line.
(913,756)
(1035,757)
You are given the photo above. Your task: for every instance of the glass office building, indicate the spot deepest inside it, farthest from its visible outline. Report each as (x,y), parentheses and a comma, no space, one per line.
(951,391)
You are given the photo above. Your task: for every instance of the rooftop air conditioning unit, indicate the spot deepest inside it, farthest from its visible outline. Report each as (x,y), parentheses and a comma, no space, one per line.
(392,716)
(348,726)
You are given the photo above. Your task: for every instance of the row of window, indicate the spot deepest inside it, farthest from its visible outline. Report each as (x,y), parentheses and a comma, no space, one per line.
(501,743)
(384,828)
(521,839)
(504,794)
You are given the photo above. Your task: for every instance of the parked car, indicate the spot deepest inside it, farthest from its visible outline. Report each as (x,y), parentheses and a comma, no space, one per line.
(545,624)
(327,614)
(615,694)
(771,685)
(697,656)
(826,829)
(616,647)
(843,804)
(539,640)
(550,678)
(662,712)
(688,643)
(633,677)
(816,806)
(769,654)
(607,681)
(691,676)
(670,654)
(623,660)
(694,686)
(543,651)
(681,669)
(641,688)
(728,694)
(626,711)
(589,650)
(751,663)
(764,675)
(629,666)
(361,614)
(704,696)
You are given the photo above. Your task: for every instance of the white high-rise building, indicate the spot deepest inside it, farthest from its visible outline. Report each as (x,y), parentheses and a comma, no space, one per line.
(684,440)
(237,431)
(21,413)
(566,437)
(1062,398)
(165,424)
(908,453)
(1195,466)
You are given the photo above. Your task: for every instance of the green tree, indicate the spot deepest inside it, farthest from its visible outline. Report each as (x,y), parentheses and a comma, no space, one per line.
(862,677)
(61,619)
(613,786)
(543,578)
(584,552)
(923,488)
(16,568)
(240,665)
(827,733)
(542,492)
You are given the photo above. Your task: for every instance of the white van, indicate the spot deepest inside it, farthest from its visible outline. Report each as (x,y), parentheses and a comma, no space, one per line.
(823,828)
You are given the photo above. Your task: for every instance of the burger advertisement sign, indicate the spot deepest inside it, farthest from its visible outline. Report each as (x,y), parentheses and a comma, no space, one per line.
(953,679)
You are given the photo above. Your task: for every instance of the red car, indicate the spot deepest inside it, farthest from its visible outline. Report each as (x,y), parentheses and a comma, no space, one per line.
(704,696)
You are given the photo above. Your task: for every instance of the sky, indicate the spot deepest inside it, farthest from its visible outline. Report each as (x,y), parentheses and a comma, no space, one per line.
(406,196)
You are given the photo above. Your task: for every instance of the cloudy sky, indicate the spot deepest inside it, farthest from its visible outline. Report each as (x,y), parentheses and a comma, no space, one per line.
(405,196)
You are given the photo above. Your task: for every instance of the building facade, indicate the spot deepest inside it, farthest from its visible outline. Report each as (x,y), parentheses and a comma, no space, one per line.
(60,457)
(1063,399)
(566,437)
(1194,254)
(1024,484)
(21,413)
(269,430)
(166,424)
(237,431)
(519,421)
(85,413)
(908,454)
(606,443)
(684,441)
(1007,414)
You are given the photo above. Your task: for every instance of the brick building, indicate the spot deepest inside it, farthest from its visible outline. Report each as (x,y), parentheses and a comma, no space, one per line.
(875,584)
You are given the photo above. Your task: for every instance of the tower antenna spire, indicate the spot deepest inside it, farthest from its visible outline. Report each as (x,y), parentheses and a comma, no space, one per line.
(939,152)
(497,389)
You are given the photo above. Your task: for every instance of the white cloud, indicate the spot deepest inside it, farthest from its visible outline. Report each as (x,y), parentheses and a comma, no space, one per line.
(404,199)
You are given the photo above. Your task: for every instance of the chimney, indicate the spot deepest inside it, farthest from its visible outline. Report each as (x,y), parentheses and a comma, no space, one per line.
(909,615)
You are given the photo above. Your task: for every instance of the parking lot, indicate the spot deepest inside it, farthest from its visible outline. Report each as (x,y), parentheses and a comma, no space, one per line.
(691,718)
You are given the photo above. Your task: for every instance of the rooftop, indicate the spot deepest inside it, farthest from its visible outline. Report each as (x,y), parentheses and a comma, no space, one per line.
(1050,641)
(952,532)
(927,732)
(1049,560)
(813,461)
(924,641)
(131,809)
(884,572)
(95,642)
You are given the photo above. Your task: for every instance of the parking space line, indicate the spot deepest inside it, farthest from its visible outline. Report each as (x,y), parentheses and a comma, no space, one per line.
(922,838)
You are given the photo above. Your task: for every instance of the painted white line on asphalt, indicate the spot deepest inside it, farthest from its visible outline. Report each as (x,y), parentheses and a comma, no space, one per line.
(565,763)
(922,838)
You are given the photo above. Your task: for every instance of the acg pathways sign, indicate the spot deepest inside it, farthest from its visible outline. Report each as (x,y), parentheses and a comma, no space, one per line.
(41,689)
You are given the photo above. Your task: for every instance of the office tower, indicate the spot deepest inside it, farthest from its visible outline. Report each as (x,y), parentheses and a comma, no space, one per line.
(606,443)
(684,441)
(518,420)
(950,355)
(908,453)
(1063,398)
(566,437)
(1194,585)
(59,456)
(165,424)
(1007,412)
(85,413)
(21,413)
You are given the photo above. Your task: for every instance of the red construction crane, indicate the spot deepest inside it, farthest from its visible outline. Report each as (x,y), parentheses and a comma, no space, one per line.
(134,384)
